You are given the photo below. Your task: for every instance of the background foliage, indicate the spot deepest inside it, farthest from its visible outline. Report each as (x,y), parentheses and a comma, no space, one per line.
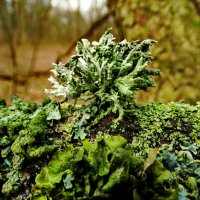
(176,27)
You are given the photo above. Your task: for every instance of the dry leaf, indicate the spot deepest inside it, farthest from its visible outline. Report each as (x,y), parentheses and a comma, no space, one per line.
(151,158)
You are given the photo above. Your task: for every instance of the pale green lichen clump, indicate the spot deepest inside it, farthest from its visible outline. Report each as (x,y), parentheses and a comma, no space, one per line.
(105,72)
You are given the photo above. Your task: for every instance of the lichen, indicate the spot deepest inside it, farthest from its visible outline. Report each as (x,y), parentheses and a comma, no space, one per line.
(107,148)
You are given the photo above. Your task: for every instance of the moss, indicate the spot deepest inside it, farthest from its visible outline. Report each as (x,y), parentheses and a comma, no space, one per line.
(102,166)
(153,124)
(108,148)
(35,152)
(13,184)
(25,133)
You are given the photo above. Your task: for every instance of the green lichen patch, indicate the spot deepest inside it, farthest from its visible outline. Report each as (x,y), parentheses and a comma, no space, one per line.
(108,168)
(94,170)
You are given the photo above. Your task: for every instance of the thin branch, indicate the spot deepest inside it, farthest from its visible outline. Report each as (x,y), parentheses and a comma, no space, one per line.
(8,25)
(22,76)
(43,20)
(89,32)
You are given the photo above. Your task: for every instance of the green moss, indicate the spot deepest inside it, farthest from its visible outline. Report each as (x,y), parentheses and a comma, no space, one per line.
(166,123)
(53,173)
(13,184)
(25,134)
(101,166)
(35,152)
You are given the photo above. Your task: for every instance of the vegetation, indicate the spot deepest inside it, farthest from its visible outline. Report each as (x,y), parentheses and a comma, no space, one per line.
(27,48)
(34,34)
(110,146)
(175,25)
(106,72)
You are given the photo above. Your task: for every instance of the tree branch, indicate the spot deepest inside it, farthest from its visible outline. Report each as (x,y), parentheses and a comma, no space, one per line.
(89,32)
(21,77)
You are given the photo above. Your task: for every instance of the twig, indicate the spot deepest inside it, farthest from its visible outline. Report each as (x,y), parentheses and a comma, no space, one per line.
(89,32)
(22,76)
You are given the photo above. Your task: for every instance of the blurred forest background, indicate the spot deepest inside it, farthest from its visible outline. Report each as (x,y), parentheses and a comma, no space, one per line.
(36,33)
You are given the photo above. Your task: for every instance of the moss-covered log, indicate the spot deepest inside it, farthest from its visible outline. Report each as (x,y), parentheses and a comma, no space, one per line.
(152,153)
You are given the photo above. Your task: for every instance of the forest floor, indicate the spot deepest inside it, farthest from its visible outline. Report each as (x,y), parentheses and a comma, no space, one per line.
(45,56)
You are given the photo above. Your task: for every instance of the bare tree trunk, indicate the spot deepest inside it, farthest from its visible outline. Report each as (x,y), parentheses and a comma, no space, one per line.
(9,25)
(36,44)
(21,14)
(15,69)
(13,51)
